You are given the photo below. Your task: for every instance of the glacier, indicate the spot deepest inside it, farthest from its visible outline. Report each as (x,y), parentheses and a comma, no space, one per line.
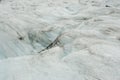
(59,40)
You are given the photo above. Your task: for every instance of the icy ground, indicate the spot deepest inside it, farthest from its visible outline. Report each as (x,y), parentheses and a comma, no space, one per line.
(60,40)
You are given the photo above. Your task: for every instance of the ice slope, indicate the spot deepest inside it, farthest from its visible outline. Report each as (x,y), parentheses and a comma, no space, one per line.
(59,40)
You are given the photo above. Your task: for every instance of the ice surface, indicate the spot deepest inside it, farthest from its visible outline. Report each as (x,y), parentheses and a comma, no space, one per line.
(59,40)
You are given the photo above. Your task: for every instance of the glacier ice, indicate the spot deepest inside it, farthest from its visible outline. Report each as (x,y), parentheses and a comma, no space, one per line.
(59,40)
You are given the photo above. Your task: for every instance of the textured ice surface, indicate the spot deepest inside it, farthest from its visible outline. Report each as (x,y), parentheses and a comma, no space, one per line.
(60,40)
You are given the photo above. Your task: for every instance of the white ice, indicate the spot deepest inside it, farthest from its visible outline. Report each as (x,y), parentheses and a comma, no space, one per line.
(60,40)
